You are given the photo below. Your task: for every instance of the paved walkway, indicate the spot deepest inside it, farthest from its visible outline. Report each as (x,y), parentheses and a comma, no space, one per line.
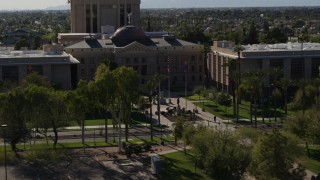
(188,105)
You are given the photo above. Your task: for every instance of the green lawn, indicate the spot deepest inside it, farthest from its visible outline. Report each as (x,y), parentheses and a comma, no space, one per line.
(227,113)
(312,163)
(137,117)
(178,166)
(91,122)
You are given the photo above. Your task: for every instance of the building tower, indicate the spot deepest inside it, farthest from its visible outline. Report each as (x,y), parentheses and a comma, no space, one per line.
(103,16)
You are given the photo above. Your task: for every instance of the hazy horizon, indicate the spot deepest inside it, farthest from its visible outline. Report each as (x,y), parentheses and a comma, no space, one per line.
(145,4)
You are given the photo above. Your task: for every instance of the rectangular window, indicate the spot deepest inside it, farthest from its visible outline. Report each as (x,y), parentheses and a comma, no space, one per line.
(88,18)
(143,60)
(95,18)
(297,68)
(128,61)
(122,15)
(83,73)
(315,73)
(144,70)
(35,68)
(10,73)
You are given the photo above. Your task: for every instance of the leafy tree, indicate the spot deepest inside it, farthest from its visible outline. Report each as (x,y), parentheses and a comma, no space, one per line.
(80,102)
(276,35)
(13,114)
(142,104)
(36,43)
(305,97)
(105,89)
(252,36)
(22,43)
(46,109)
(35,78)
(178,128)
(273,157)
(224,100)
(183,129)
(126,78)
(306,126)
(221,154)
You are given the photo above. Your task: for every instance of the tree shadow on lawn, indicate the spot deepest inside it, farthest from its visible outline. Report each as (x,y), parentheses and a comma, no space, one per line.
(211,106)
(315,154)
(170,170)
(76,169)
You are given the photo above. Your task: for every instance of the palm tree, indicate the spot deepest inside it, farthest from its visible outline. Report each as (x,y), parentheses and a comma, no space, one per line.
(206,49)
(253,84)
(238,49)
(284,84)
(233,76)
(150,87)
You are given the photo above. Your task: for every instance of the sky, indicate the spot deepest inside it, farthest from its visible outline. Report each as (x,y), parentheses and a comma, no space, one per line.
(42,4)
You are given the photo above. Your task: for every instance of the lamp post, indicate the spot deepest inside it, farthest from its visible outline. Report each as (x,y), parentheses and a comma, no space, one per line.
(4,126)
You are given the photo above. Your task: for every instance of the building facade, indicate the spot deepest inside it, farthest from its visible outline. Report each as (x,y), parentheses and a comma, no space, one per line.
(296,60)
(57,66)
(129,46)
(103,16)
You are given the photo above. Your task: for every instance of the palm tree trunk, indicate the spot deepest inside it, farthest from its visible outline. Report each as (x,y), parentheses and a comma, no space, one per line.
(234,101)
(55,137)
(255,112)
(286,103)
(106,129)
(151,124)
(237,108)
(82,131)
(251,112)
(307,147)
(262,107)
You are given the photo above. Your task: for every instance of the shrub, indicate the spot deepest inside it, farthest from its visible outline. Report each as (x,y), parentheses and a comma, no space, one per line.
(137,149)
(147,146)
(129,150)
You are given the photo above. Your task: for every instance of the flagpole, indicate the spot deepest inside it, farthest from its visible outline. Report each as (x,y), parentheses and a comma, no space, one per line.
(169,80)
(185,82)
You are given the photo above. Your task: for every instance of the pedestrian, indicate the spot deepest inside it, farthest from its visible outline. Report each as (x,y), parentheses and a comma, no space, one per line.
(178,101)
(215,118)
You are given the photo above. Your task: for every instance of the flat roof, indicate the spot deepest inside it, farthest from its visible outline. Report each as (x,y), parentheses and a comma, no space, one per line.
(36,57)
(30,54)
(282,47)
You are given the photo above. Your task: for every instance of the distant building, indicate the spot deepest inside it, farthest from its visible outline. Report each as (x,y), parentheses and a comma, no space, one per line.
(95,16)
(130,46)
(297,60)
(57,66)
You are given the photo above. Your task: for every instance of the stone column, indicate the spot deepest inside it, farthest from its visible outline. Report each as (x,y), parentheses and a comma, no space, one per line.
(307,68)
(22,69)
(47,71)
(287,68)
(266,66)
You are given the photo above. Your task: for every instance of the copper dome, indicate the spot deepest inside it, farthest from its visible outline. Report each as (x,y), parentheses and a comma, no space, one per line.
(129,34)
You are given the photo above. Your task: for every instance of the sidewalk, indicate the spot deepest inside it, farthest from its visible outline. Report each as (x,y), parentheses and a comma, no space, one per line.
(188,105)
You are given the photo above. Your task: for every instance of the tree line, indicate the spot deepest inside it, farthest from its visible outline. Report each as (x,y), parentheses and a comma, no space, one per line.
(36,106)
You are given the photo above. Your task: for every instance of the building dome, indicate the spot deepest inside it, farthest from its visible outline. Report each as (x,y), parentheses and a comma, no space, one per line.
(129,34)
